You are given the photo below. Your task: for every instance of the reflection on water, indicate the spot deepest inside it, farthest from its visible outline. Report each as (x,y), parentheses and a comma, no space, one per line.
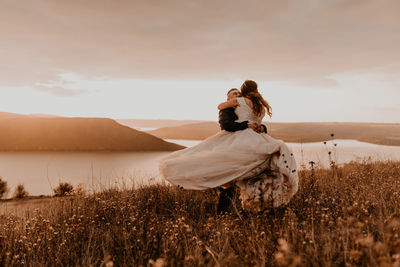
(42,171)
(344,151)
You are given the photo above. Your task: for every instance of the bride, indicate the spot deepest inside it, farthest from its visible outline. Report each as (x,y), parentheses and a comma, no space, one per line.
(263,168)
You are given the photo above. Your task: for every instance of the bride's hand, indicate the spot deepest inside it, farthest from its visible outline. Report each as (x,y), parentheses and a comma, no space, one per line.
(256,127)
(228,104)
(253,126)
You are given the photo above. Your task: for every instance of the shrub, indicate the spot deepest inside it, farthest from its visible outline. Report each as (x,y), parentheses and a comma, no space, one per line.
(3,188)
(20,192)
(80,190)
(64,189)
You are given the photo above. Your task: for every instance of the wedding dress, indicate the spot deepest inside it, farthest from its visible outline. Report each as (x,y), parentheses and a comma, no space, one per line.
(262,167)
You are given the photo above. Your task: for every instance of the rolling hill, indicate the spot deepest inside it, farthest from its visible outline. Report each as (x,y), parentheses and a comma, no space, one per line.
(15,115)
(30,133)
(376,133)
(194,131)
(7,115)
(140,123)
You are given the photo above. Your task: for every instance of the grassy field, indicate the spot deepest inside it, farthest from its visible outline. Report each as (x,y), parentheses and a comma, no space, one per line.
(346,216)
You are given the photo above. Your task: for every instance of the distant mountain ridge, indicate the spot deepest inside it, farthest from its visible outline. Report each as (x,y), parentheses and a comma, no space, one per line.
(194,131)
(30,133)
(16,115)
(376,133)
(142,123)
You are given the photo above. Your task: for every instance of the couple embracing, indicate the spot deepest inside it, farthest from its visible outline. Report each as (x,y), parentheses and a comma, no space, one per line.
(242,155)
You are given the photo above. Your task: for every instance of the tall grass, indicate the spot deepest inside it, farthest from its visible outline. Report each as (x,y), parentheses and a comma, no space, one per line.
(347,215)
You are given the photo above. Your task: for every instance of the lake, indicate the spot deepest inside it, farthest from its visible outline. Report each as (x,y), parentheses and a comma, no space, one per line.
(42,171)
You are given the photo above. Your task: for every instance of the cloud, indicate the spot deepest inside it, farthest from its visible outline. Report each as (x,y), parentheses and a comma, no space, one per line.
(302,42)
(59,91)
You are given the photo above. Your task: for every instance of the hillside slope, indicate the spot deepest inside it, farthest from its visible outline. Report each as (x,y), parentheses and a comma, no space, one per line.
(141,123)
(26,133)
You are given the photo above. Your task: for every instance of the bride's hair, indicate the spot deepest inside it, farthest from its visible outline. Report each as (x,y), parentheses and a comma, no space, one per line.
(249,90)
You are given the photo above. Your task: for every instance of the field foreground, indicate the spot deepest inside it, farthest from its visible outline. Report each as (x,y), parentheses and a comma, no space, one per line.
(346,216)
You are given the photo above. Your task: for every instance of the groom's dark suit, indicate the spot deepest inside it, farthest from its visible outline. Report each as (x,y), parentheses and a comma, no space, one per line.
(227,122)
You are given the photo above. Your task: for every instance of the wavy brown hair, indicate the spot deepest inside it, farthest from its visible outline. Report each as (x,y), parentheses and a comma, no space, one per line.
(249,90)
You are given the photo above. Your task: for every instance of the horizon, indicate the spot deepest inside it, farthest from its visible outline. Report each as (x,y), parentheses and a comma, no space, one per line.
(155,119)
(315,62)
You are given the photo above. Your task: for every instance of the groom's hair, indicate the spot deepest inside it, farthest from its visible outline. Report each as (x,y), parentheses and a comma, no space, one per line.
(231,90)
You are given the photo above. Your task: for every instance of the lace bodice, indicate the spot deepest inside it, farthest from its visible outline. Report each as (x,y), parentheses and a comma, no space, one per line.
(245,113)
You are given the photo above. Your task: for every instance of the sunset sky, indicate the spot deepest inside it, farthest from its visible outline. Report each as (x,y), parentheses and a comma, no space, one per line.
(314,60)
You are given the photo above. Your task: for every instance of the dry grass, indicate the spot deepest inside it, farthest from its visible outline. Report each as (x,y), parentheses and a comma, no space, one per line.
(346,216)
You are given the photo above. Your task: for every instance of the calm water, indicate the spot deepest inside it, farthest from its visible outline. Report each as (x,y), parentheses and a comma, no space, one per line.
(344,151)
(40,172)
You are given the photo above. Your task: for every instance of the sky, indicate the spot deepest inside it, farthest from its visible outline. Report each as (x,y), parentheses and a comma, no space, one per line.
(314,60)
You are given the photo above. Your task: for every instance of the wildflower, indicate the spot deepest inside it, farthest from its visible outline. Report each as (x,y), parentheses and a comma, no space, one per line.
(367,241)
(380,248)
(394,223)
(355,255)
(283,245)
(158,263)
(280,258)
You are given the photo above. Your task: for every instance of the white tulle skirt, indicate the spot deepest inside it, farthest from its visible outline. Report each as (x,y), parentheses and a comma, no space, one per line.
(262,167)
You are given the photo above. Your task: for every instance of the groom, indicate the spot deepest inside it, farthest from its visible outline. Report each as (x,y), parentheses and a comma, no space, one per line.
(227,122)
(227,117)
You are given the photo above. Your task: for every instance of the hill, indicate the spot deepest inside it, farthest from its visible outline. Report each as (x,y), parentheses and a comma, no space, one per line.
(194,131)
(28,133)
(15,115)
(10,115)
(138,123)
(376,133)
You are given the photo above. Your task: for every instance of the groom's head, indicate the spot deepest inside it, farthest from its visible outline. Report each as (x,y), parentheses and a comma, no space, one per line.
(233,93)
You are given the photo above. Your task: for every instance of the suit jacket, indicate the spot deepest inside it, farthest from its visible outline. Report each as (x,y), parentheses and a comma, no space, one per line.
(227,121)
(227,118)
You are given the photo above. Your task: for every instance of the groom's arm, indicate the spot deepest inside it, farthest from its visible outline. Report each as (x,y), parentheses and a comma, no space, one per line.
(227,122)
(264,128)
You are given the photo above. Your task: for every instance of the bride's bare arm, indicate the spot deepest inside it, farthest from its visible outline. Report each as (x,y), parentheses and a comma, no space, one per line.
(228,104)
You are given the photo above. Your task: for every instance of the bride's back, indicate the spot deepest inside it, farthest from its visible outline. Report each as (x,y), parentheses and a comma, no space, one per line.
(245,112)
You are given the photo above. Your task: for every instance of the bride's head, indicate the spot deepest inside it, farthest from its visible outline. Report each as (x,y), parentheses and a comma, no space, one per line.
(249,90)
